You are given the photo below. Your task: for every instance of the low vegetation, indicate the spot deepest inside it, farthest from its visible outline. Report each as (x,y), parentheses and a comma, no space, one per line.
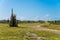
(19,33)
(51,26)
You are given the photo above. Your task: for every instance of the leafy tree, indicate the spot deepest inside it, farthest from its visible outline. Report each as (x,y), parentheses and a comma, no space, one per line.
(13,21)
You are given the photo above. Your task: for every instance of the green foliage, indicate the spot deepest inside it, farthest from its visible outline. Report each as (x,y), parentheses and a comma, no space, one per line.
(13,22)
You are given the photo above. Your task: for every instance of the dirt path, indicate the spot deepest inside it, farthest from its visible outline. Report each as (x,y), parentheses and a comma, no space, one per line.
(46,29)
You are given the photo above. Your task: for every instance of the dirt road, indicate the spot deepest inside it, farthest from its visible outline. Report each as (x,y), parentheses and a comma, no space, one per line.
(46,29)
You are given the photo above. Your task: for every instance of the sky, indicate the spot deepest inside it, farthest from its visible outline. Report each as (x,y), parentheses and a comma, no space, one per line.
(30,9)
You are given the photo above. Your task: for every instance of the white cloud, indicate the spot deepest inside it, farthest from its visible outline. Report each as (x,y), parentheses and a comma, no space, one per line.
(20,17)
(36,17)
(43,17)
(46,17)
(4,18)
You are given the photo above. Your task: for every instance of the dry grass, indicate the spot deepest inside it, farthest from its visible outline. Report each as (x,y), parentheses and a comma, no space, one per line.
(19,33)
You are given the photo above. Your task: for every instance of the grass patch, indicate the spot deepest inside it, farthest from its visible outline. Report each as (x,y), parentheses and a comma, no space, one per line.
(51,26)
(47,35)
(19,33)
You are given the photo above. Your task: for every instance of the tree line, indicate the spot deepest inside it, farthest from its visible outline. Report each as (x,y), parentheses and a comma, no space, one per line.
(28,21)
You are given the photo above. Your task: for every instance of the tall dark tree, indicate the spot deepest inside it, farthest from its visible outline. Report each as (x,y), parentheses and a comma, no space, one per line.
(13,21)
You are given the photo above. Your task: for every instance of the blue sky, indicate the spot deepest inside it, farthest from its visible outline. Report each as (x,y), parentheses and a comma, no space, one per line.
(31,9)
